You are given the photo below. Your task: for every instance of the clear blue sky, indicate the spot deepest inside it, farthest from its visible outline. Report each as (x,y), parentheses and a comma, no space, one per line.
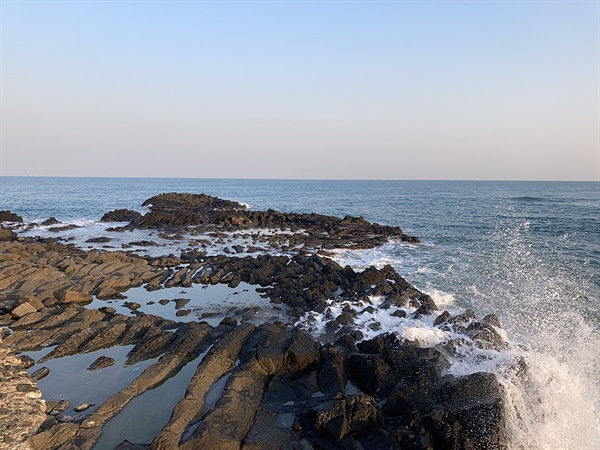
(371,90)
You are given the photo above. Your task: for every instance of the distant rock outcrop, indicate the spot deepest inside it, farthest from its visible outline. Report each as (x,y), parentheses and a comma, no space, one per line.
(7,216)
(174,211)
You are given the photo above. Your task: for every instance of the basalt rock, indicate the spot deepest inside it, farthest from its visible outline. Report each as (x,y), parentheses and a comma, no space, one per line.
(51,221)
(7,216)
(120,215)
(101,362)
(420,400)
(174,211)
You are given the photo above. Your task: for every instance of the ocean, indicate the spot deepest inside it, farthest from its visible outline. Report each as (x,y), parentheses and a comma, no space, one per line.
(527,251)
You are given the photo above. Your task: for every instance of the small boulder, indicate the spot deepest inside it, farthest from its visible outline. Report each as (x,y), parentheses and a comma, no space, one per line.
(181,302)
(99,240)
(22,310)
(228,322)
(50,221)
(132,305)
(101,363)
(40,373)
(83,407)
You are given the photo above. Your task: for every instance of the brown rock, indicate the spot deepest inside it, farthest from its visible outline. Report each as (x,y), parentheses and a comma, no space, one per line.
(35,302)
(22,310)
(6,234)
(74,297)
(101,363)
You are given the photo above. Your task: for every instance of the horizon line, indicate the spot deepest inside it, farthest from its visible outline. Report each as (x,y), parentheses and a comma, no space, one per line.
(306,179)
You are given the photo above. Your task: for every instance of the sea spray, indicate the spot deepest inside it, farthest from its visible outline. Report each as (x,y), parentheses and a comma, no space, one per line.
(544,305)
(550,368)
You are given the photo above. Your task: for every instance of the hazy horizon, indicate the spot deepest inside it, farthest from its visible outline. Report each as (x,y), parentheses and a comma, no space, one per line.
(499,91)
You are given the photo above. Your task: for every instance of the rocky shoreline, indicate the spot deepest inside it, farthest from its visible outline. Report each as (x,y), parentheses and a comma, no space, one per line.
(284,388)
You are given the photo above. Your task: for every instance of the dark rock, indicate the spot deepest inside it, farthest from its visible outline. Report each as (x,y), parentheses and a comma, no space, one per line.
(377,439)
(132,305)
(23,387)
(40,373)
(303,352)
(83,407)
(69,227)
(183,312)
(372,374)
(250,313)
(99,240)
(6,234)
(492,319)
(48,423)
(443,317)
(229,322)
(345,318)
(144,243)
(332,374)
(181,302)
(64,418)
(51,221)
(120,215)
(473,417)
(337,419)
(485,336)
(426,305)
(399,313)
(108,310)
(462,319)
(7,216)
(378,344)
(101,363)
(164,301)
(177,201)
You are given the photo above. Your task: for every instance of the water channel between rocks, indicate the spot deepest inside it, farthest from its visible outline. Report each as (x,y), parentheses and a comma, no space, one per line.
(69,378)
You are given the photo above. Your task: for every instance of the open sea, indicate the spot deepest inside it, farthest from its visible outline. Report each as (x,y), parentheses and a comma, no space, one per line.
(527,251)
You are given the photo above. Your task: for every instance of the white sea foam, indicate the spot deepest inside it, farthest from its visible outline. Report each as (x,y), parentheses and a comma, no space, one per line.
(164,244)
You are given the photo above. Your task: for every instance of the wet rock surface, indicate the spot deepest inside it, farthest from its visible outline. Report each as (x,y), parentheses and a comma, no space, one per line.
(281,387)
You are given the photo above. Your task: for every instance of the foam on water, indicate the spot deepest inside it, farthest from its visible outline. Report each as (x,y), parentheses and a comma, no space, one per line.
(162,244)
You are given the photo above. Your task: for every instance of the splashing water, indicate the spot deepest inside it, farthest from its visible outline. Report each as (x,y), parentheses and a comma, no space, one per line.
(545,306)
(550,369)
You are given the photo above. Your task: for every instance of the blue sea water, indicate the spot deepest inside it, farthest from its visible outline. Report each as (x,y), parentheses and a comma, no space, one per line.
(527,251)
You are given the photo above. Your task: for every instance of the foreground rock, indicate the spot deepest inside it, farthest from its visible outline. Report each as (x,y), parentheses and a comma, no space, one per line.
(285,388)
(22,410)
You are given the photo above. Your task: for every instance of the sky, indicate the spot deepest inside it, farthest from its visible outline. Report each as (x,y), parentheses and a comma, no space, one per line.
(472,90)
